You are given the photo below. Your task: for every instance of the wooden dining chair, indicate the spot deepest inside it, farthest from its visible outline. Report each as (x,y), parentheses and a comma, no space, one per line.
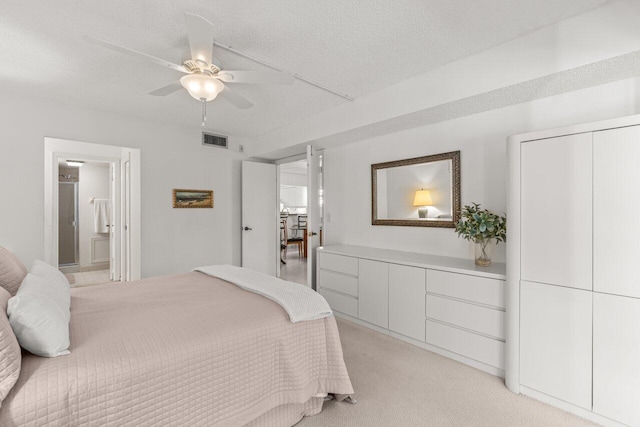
(291,241)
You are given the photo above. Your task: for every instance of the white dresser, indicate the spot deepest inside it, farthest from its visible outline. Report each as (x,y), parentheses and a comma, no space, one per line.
(446,305)
(573,295)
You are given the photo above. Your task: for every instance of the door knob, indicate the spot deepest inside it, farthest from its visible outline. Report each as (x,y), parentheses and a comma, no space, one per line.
(248,228)
(313,233)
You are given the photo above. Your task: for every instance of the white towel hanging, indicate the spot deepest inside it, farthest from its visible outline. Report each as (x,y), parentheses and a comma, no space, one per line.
(101,215)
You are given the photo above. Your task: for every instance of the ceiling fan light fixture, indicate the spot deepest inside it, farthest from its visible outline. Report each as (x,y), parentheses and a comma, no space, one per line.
(202,87)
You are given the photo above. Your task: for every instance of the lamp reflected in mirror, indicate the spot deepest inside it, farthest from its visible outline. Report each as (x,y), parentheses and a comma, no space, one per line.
(396,191)
(422,200)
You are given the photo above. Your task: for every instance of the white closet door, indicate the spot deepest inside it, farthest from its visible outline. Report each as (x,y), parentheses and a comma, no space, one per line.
(616,358)
(556,204)
(373,292)
(616,207)
(556,342)
(407,302)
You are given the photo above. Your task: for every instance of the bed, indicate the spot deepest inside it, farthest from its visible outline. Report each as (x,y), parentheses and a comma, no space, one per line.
(186,349)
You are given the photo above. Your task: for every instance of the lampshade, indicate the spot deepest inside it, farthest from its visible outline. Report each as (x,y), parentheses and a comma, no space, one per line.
(422,198)
(201,86)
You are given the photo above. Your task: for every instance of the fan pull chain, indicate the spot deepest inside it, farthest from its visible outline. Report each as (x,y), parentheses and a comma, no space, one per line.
(204,111)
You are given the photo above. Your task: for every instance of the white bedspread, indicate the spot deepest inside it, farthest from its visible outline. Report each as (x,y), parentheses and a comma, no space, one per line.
(300,302)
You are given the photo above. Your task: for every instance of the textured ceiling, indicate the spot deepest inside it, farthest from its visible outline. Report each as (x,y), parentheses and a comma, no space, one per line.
(601,72)
(354,47)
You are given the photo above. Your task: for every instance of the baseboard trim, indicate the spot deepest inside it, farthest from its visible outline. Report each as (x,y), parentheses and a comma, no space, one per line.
(441,351)
(569,407)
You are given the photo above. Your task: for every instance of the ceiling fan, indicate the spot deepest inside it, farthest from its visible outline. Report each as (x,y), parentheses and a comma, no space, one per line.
(204,77)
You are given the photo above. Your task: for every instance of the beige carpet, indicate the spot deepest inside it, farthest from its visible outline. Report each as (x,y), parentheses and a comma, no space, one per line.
(398,384)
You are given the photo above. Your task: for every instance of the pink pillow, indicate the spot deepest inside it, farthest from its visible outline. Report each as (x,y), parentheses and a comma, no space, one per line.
(12,271)
(10,353)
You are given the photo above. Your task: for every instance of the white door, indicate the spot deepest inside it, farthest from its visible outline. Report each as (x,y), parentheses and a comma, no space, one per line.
(259,217)
(556,341)
(616,358)
(556,211)
(616,265)
(314,211)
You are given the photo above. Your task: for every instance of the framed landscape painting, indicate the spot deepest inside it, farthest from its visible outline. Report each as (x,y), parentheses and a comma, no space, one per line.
(192,198)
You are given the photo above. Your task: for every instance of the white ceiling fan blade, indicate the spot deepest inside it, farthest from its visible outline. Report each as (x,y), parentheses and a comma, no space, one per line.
(235,99)
(256,77)
(132,52)
(167,90)
(200,32)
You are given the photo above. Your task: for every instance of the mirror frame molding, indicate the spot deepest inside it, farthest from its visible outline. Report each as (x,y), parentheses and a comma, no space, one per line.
(454,156)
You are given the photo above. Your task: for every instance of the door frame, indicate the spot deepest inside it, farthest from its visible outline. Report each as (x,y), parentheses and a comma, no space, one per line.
(291,159)
(56,149)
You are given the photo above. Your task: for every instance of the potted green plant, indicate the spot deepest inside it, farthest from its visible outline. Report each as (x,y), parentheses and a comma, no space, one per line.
(482,227)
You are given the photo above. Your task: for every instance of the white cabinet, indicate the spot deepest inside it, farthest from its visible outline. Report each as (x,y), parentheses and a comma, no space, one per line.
(616,358)
(556,211)
(460,341)
(616,203)
(407,300)
(373,297)
(477,289)
(338,282)
(466,316)
(573,294)
(446,305)
(555,345)
(484,320)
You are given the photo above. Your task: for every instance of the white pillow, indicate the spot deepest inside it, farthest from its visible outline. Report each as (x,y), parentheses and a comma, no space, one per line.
(57,286)
(39,315)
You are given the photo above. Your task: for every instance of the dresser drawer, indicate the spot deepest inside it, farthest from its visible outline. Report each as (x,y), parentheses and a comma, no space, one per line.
(468,344)
(338,282)
(471,288)
(342,303)
(474,317)
(339,263)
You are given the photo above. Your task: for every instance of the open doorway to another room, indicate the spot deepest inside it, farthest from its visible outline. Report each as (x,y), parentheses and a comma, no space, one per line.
(84,221)
(293,221)
(92,211)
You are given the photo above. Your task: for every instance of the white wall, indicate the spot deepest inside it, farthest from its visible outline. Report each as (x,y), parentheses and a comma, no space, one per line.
(295,179)
(481,138)
(93,182)
(173,240)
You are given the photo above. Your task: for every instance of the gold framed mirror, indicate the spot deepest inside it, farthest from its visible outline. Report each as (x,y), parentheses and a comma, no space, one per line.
(419,192)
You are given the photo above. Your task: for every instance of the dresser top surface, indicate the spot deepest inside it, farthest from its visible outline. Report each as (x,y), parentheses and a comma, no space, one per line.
(435,262)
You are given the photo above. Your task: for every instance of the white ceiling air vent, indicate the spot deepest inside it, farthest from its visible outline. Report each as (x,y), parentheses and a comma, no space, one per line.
(214,140)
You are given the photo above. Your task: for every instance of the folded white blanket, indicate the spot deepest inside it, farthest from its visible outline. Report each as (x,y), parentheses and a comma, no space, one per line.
(300,302)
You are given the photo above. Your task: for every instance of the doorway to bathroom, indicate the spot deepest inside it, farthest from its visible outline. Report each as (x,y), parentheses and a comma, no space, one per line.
(92,211)
(85,204)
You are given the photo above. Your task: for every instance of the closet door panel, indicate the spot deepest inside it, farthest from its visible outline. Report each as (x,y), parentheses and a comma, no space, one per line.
(556,341)
(616,358)
(616,207)
(556,204)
